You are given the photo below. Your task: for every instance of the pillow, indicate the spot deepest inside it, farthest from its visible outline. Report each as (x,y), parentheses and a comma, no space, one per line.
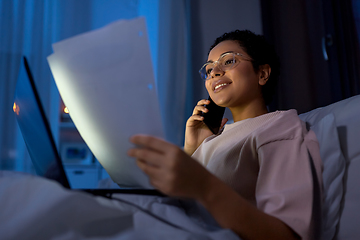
(332,175)
(347,120)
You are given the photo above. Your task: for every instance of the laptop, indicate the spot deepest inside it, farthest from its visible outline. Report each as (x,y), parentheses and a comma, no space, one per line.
(39,140)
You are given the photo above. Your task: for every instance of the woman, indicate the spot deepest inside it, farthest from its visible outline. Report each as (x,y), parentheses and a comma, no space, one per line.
(254,177)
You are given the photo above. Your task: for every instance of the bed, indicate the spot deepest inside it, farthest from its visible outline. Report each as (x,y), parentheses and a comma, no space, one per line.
(36,208)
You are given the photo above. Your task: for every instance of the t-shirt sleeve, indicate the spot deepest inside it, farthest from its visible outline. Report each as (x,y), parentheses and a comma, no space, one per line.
(285,183)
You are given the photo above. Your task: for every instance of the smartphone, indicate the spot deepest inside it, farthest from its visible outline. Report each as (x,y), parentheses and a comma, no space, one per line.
(214,116)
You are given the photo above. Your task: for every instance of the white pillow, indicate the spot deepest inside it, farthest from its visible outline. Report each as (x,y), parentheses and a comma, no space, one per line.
(333,172)
(347,121)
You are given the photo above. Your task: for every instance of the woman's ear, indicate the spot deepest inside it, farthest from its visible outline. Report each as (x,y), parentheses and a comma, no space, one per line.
(264,74)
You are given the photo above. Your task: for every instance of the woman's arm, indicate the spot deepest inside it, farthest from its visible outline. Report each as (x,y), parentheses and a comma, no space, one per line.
(236,213)
(174,173)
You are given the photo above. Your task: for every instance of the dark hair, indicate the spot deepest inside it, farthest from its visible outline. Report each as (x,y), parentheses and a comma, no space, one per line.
(261,52)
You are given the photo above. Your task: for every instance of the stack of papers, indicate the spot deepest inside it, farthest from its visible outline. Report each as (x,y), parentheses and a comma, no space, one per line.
(106,80)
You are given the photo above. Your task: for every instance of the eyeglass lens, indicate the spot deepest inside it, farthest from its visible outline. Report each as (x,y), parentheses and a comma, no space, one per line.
(225,63)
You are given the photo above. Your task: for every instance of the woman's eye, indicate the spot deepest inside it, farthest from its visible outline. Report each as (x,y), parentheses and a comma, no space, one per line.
(208,71)
(230,61)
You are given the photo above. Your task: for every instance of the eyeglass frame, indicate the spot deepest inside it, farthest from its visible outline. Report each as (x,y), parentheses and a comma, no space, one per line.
(217,62)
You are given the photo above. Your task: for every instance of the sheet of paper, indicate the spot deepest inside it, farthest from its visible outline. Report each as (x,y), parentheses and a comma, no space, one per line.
(106,80)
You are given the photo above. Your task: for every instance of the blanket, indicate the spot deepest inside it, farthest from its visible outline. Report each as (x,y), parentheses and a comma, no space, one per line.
(38,208)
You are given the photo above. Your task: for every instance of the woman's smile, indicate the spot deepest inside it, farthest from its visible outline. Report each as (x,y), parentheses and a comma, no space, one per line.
(220,85)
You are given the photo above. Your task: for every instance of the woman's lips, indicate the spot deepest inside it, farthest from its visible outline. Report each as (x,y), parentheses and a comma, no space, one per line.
(218,87)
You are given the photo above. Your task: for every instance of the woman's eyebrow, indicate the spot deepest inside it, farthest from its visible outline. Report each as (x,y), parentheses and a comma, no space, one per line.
(211,61)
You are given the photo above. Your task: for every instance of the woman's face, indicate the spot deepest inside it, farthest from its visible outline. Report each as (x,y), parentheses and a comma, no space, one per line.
(238,86)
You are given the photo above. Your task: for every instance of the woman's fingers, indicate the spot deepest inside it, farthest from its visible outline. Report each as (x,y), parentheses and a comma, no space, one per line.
(195,118)
(149,169)
(199,108)
(150,142)
(155,173)
(151,149)
(148,156)
(203,102)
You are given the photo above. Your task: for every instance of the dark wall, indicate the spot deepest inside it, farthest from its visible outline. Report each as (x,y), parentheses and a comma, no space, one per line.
(304,32)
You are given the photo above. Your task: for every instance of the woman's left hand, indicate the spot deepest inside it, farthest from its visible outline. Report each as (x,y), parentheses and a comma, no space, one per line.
(169,168)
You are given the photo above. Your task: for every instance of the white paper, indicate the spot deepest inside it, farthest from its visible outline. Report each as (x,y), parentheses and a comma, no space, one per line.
(106,80)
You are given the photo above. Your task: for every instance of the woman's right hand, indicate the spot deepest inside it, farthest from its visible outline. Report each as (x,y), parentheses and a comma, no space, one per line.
(196,130)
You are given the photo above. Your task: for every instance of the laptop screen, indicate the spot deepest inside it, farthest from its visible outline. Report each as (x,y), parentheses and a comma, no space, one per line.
(35,128)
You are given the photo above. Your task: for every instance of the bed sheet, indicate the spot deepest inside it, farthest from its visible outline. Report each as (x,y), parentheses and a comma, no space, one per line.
(37,208)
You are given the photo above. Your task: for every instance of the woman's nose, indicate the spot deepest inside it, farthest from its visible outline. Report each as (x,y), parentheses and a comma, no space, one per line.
(217,71)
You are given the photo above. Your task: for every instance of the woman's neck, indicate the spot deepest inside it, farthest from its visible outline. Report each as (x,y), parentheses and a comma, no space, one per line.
(250,110)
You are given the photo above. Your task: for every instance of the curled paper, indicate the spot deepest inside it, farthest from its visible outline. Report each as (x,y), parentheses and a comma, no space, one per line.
(106,80)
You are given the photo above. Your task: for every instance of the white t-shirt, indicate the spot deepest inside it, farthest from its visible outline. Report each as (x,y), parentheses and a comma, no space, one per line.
(268,160)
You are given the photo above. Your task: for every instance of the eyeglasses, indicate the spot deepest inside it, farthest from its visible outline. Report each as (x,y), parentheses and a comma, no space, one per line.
(225,62)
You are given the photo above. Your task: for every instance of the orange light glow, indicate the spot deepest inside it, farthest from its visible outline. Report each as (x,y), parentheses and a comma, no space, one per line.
(66,110)
(16,108)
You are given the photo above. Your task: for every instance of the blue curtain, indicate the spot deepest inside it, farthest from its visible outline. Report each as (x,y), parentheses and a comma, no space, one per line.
(29,27)
(172,68)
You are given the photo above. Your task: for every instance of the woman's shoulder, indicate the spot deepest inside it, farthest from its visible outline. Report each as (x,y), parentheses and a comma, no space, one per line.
(277,125)
(269,127)
(275,119)
(285,120)
(283,125)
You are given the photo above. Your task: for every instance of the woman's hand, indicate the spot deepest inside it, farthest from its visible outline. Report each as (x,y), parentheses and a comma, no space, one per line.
(169,168)
(196,130)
